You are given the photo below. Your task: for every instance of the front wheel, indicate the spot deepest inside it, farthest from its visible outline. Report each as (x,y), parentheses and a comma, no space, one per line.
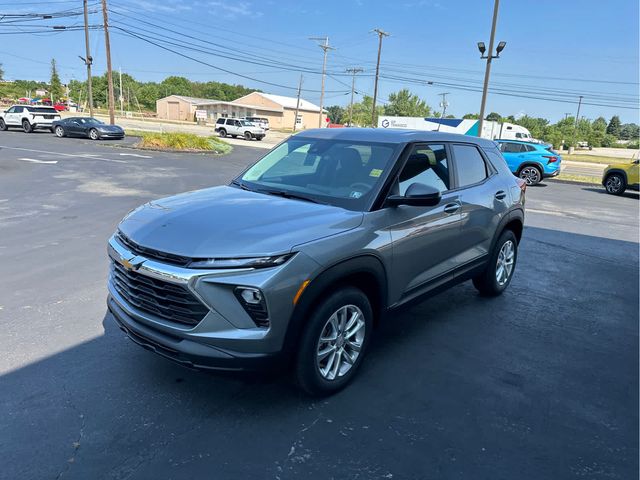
(59,131)
(93,134)
(3,126)
(26,126)
(615,184)
(334,342)
(530,174)
(499,271)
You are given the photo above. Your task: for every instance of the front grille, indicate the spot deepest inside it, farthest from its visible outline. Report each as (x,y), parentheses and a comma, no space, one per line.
(151,253)
(163,299)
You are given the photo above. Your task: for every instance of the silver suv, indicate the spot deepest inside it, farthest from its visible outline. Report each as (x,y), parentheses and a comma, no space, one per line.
(296,261)
(239,128)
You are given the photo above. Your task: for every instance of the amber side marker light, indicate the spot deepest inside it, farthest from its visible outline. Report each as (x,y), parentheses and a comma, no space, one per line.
(300,290)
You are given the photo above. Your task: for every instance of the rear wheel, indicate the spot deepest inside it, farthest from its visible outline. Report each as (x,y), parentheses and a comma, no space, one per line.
(222,132)
(93,134)
(530,174)
(59,131)
(334,342)
(248,136)
(615,184)
(499,271)
(26,126)
(3,126)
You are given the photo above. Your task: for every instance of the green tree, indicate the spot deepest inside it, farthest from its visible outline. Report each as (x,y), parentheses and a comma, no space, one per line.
(494,117)
(630,131)
(406,104)
(362,112)
(471,116)
(55,86)
(614,126)
(338,114)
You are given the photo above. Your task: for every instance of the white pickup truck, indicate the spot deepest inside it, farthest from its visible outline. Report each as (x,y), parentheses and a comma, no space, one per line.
(28,117)
(239,128)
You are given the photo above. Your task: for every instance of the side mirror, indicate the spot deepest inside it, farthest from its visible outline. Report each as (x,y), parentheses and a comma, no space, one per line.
(417,195)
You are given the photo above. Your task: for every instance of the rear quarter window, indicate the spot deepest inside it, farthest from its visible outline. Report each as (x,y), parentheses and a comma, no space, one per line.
(470,165)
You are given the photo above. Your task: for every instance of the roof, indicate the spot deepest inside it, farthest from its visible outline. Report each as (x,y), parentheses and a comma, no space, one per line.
(245,105)
(291,102)
(192,100)
(391,135)
(526,142)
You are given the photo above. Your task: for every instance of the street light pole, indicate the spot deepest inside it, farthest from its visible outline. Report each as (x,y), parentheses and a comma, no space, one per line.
(444,106)
(88,59)
(487,71)
(353,71)
(381,34)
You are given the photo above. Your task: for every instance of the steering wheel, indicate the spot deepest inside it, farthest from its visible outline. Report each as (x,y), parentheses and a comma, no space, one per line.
(354,186)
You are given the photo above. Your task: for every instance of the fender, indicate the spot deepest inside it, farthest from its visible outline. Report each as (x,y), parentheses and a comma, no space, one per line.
(368,266)
(515,214)
(530,163)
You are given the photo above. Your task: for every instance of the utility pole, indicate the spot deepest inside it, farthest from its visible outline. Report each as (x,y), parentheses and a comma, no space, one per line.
(353,71)
(295,120)
(381,34)
(107,45)
(325,48)
(121,96)
(88,60)
(489,57)
(566,115)
(444,105)
(575,125)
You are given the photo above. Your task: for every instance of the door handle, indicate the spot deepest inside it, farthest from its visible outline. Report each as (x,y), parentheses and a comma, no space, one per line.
(501,195)
(451,208)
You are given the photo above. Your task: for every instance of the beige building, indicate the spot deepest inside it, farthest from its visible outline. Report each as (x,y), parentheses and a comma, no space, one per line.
(279,110)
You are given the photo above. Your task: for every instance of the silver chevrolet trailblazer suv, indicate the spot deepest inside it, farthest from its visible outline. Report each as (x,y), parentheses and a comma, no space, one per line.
(295,262)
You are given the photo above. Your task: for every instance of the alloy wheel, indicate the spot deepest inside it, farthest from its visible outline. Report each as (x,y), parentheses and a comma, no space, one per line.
(340,342)
(59,132)
(613,184)
(531,175)
(93,134)
(504,265)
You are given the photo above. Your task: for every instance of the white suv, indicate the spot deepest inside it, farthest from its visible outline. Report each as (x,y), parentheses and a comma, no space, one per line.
(236,127)
(28,117)
(259,121)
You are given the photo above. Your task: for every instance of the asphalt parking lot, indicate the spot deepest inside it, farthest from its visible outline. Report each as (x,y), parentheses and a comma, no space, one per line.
(541,383)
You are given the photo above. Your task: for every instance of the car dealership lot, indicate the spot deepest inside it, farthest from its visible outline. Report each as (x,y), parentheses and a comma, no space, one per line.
(539,383)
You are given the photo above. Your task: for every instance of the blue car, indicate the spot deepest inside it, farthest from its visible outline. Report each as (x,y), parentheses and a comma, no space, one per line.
(530,161)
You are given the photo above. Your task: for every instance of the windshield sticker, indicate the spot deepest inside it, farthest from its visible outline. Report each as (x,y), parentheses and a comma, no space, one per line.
(376,172)
(355,194)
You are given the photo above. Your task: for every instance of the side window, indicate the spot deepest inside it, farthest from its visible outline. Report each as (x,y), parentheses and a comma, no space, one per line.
(18,110)
(518,135)
(469,165)
(508,147)
(427,164)
(529,148)
(220,121)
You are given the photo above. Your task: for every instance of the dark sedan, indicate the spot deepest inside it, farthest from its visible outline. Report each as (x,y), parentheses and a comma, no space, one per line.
(87,127)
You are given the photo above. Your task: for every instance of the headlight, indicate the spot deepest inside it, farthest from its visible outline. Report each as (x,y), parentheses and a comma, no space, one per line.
(255,262)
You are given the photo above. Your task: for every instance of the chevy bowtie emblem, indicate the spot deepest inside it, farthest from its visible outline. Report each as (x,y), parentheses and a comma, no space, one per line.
(132,264)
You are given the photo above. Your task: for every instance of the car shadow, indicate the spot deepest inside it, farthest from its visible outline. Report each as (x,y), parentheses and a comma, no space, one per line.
(441,378)
(626,194)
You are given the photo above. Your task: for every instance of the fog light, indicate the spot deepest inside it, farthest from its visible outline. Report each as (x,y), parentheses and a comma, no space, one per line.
(253,302)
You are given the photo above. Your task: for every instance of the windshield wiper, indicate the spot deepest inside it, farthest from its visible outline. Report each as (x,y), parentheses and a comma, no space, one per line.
(281,193)
(241,185)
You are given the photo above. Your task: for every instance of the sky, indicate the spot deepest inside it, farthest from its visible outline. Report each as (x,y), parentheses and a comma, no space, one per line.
(557,49)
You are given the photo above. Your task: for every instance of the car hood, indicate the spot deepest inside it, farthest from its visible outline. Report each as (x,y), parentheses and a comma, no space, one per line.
(109,128)
(226,222)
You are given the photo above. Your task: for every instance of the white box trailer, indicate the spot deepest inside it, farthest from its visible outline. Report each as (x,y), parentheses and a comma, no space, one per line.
(490,130)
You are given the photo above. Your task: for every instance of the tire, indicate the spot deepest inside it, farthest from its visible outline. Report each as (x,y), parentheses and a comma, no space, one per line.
(493,281)
(530,174)
(26,126)
(94,134)
(248,136)
(323,376)
(259,138)
(59,131)
(222,133)
(615,184)
(234,136)
(3,126)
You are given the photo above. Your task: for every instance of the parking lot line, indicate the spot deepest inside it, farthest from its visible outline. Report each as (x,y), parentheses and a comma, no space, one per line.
(63,154)
(38,161)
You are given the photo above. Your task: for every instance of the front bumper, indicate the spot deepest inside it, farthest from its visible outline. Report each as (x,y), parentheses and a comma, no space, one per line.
(226,337)
(113,135)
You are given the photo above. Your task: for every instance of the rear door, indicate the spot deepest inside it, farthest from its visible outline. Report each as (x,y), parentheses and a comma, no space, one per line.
(484,199)
(425,239)
(513,153)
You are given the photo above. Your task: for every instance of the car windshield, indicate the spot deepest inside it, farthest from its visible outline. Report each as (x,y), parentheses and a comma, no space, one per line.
(342,173)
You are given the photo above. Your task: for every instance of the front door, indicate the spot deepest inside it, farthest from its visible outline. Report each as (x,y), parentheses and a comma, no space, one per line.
(425,240)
